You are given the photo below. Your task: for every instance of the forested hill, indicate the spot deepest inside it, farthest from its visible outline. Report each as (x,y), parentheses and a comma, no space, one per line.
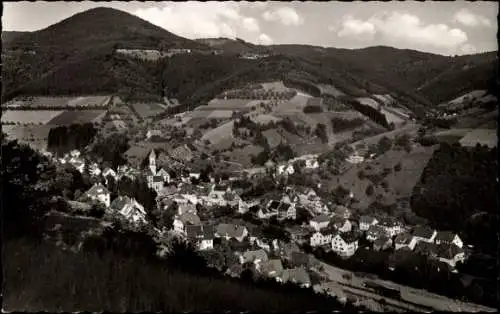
(63,52)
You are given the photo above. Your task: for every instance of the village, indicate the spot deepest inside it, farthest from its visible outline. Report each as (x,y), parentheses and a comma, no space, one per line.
(268,234)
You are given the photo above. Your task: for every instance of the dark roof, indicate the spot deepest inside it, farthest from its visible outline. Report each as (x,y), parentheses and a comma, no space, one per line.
(220,187)
(448,251)
(403,238)
(423,232)
(274,205)
(284,207)
(321,218)
(381,241)
(157,179)
(194,231)
(348,237)
(328,230)
(376,231)
(300,258)
(426,248)
(445,236)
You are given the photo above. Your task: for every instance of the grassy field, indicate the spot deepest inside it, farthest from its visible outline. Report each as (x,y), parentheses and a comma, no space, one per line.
(39,101)
(243,155)
(29,116)
(329,90)
(273,137)
(227,104)
(219,134)
(36,136)
(220,114)
(146,110)
(410,128)
(89,101)
(265,119)
(275,86)
(79,116)
(297,103)
(386,99)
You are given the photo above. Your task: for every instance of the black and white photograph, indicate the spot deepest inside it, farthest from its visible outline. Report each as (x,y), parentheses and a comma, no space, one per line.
(249,156)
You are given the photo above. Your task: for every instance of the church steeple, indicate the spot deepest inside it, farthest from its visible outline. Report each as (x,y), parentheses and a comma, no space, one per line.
(152,161)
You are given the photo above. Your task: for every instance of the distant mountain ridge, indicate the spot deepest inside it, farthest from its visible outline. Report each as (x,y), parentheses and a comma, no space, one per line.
(86,41)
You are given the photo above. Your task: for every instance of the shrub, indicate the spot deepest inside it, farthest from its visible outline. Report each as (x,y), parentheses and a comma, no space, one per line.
(398,167)
(369,190)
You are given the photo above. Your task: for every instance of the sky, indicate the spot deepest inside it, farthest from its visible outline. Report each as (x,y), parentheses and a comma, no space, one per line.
(447,28)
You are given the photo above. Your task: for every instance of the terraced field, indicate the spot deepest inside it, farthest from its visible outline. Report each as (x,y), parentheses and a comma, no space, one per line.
(26,117)
(77,116)
(35,136)
(330,90)
(146,110)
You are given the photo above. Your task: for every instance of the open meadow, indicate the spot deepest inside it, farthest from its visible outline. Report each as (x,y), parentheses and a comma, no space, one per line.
(25,117)
(331,90)
(146,110)
(35,136)
(78,116)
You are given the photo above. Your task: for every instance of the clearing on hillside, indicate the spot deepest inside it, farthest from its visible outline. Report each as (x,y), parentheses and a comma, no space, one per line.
(78,117)
(297,103)
(25,117)
(265,119)
(35,136)
(367,101)
(226,104)
(330,90)
(275,86)
(146,110)
(220,114)
(221,133)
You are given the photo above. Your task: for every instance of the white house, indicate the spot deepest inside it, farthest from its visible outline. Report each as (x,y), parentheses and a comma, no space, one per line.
(403,240)
(322,237)
(100,193)
(391,227)
(319,222)
(448,237)
(164,173)
(129,208)
(344,244)
(75,153)
(355,159)
(186,208)
(152,133)
(287,211)
(365,222)
(202,236)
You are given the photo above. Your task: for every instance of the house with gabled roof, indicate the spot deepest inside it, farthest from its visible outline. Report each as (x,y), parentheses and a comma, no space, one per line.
(100,193)
(448,237)
(164,173)
(181,221)
(255,256)
(450,254)
(319,222)
(285,169)
(323,236)
(428,249)
(424,233)
(287,211)
(405,240)
(231,231)
(129,208)
(365,222)
(341,224)
(202,236)
(108,172)
(391,226)
(345,244)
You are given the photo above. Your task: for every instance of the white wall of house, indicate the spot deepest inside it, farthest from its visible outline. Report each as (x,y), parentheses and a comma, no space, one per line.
(342,248)
(318,239)
(427,240)
(363,226)
(206,244)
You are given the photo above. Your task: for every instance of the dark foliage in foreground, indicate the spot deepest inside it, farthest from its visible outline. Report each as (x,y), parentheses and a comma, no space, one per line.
(112,277)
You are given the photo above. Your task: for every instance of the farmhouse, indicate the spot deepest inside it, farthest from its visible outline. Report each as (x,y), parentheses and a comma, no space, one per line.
(319,222)
(229,231)
(391,226)
(405,240)
(345,244)
(129,208)
(424,233)
(201,235)
(322,237)
(448,237)
(181,221)
(99,193)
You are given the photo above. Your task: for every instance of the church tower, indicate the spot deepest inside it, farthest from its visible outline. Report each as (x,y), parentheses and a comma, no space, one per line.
(152,161)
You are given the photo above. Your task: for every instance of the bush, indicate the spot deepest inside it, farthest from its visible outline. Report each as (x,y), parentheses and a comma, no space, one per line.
(369,190)
(398,167)
(361,174)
